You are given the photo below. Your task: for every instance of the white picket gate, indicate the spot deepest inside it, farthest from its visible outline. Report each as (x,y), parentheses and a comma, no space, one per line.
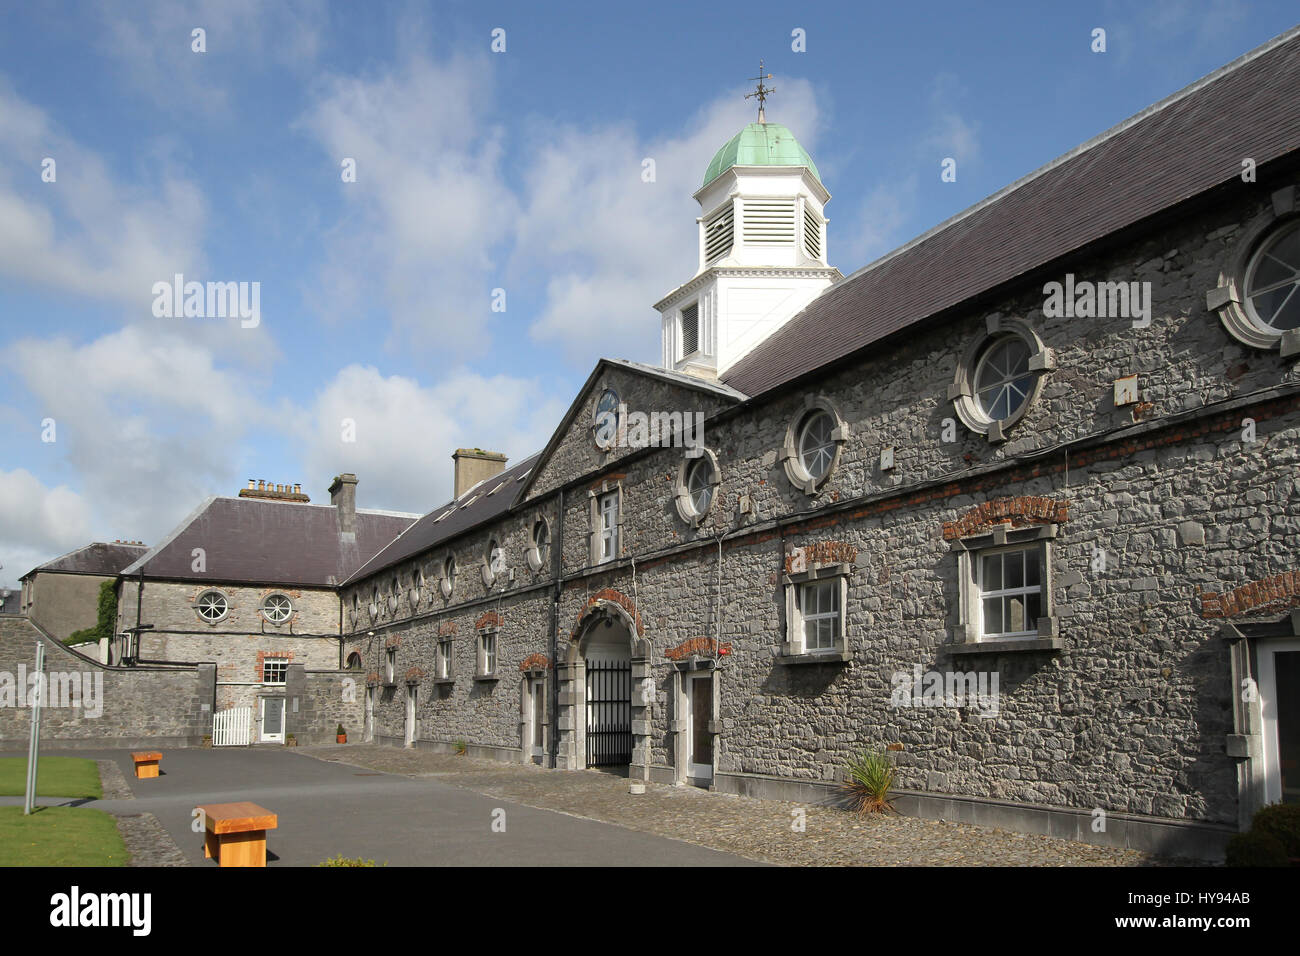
(232,727)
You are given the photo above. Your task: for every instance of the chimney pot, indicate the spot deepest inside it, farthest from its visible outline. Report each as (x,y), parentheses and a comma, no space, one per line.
(261,484)
(251,484)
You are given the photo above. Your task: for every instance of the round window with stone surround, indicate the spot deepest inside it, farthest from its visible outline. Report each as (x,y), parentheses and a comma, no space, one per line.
(813,443)
(277,608)
(212,606)
(1258,294)
(696,486)
(999,377)
(540,551)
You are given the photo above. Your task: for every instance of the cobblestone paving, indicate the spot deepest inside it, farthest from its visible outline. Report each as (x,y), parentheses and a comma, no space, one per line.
(112,781)
(755,829)
(148,841)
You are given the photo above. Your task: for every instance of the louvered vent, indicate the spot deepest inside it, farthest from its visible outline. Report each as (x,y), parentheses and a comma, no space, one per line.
(718,234)
(812,234)
(690,329)
(769,220)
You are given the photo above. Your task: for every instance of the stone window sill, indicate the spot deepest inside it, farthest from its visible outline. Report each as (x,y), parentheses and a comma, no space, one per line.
(1017,646)
(487,677)
(836,656)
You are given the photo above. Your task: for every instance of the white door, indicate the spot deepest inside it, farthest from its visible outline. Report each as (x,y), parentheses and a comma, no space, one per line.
(699,742)
(411,692)
(1279,700)
(537,722)
(370,713)
(273,720)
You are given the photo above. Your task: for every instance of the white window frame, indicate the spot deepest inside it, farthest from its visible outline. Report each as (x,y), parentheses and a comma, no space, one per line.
(606,538)
(275,664)
(487,660)
(288,615)
(797,586)
(446,653)
(390,665)
(1003,593)
(225,603)
(538,555)
(791,448)
(1000,539)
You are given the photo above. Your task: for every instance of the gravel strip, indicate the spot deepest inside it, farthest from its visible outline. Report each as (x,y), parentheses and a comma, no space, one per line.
(148,841)
(112,781)
(756,829)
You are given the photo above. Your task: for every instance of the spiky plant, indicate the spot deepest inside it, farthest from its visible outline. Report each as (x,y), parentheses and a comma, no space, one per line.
(462,748)
(871,778)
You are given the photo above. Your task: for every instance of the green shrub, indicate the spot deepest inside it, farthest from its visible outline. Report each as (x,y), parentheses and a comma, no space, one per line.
(1281,821)
(340,732)
(86,635)
(346,861)
(1255,849)
(462,748)
(871,778)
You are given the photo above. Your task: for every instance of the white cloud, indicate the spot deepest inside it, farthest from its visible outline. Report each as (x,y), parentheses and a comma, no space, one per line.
(85,232)
(37,522)
(406,432)
(428,208)
(151,42)
(612,244)
(147,422)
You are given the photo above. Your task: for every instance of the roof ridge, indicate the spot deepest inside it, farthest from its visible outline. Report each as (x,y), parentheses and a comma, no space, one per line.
(1105,135)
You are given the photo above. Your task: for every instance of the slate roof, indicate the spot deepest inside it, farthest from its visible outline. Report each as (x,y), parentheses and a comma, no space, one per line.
(94,558)
(487,500)
(259,541)
(1181,147)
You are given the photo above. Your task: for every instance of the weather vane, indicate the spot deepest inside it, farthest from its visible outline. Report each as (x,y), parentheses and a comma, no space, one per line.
(762,91)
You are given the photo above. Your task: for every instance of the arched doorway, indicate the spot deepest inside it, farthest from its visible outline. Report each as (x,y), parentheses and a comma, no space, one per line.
(606,650)
(604,714)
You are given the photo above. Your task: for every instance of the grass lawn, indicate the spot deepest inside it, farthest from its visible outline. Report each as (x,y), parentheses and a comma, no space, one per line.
(60,836)
(55,777)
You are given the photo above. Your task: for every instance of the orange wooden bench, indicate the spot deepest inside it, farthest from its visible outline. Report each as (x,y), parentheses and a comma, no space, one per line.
(146,763)
(235,833)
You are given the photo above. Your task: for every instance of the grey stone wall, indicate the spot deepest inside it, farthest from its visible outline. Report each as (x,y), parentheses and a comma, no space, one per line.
(140,707)
(64,603)
(1130,715)
(576,454)
(318,701)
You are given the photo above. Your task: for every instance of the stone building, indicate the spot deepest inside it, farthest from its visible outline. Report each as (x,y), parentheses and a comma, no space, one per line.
(249,584)
(62,595)
(1018,504)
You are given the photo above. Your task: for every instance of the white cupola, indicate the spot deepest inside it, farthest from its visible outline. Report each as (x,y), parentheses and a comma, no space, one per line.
(762,256)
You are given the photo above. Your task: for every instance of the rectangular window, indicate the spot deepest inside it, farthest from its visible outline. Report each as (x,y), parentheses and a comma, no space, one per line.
(444,658)
(609,526)
(488,653)
(819,609)
(390,666)
(274,669)
(1010,586)
(690,329)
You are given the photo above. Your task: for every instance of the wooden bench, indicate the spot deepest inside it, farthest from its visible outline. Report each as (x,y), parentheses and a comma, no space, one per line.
(235,833)
(146,763)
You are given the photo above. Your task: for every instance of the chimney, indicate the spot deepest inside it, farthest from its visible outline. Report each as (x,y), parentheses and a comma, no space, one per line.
(343,496)
(474,465)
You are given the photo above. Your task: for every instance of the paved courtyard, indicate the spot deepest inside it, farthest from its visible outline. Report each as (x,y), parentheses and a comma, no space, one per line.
(420,808)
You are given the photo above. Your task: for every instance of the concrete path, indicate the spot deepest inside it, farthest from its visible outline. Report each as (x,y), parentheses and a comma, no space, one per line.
(328,809)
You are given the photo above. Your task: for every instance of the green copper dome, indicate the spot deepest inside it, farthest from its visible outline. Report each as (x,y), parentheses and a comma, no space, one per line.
(760,144)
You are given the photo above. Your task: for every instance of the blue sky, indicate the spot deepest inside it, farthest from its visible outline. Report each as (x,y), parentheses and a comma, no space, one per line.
(476,171)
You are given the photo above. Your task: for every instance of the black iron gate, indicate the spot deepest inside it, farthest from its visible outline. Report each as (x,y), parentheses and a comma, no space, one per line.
(609,713)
